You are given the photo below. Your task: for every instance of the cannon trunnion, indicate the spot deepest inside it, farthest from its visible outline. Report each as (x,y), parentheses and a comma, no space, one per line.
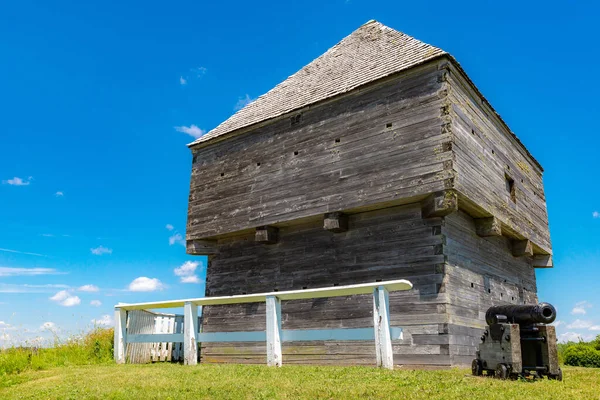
(518,342)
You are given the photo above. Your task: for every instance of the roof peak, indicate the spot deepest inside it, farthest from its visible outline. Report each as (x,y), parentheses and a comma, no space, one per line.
(371,52)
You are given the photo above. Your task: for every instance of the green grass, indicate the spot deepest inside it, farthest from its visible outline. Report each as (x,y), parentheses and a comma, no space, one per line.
(92,348)
(170,381)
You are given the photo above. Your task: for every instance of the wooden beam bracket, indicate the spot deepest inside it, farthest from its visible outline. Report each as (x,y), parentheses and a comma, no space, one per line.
(201,247)
(440,204)
(522,248)
(488,227)
(266,234)
(542,261)
(335,222)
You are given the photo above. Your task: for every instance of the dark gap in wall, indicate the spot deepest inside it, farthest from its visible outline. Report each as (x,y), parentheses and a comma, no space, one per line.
(336,284)
(493,152)
(295,153)
(510,188)
(276,290)
(489,290)
(472,131)
(337,140)
(388,125)
(304,287)
(377,280)
(472,284)
(222,173)
(258,164)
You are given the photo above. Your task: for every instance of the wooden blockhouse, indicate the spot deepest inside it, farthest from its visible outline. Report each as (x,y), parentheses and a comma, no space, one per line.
(379,160)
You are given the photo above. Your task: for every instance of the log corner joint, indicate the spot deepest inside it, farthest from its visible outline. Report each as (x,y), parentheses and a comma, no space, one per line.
(486,227)
(440,204)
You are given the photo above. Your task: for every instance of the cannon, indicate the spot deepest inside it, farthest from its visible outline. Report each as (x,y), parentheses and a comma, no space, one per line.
(518,342)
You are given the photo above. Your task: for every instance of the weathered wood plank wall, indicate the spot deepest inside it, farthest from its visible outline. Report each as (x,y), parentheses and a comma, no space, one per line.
(486,158)
(392,243)
(382,144)
(480,272)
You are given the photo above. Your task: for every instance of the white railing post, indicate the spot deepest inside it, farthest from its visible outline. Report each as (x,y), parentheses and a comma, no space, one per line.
(120,335)
(190,333)
(274,357)
(381,324)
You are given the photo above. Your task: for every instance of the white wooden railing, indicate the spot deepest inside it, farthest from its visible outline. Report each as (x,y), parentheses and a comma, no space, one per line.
(382,333)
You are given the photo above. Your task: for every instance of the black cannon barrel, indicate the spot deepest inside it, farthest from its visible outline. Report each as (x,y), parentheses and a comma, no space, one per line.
(543,313)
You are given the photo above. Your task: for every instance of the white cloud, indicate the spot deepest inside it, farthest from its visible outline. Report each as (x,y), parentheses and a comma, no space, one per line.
(569,337)
(580,308)
(88,288)
(16,181)
(64,298)
(182,80)
(8,271)
(199,71)
(26,288)
(6,327)
(96,303)
(187,272)
(176,238)
(101,250)
(596,214)
(594,328)
(191,130)
(23,252)
(105,320)
(190,279)
(48,326)
(580,324)
(144,284)
(59,194)
(169,227)
(243,102)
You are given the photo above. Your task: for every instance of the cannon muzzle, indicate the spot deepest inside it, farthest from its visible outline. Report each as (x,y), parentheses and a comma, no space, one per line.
(543,313)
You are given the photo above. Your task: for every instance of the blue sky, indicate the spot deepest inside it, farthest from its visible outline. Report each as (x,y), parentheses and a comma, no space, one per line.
(98,101)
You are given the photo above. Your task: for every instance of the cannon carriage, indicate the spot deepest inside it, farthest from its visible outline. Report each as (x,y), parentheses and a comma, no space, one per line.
(518,341)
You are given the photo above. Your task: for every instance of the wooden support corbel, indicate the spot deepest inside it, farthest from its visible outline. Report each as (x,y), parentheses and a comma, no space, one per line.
(266,234)
(335,222)
(201,247)
(542,261)
(440,204)
(488,227)
(522,248)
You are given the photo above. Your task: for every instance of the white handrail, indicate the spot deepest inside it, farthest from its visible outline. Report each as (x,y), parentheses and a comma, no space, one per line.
(382,333)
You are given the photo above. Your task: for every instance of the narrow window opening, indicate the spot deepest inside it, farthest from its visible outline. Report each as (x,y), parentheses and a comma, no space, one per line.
(510,188)
(337,140)
(472,131)
(521,180)
(472,284)
(304,287)
(388,125)
(501,294)
(258,164)
(508,167)
(336,284)
(295,153)
(493,152)
(489,290)
(222,173)
(276,290)
(513,298)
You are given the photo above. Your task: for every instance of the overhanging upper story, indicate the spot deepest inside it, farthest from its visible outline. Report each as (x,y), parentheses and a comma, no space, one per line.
(379,120)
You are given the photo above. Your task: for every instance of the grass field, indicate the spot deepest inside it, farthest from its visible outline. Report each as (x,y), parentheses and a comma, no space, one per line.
(169,381)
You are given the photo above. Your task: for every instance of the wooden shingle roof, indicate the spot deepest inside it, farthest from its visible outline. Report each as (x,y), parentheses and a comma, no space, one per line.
(371,52)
